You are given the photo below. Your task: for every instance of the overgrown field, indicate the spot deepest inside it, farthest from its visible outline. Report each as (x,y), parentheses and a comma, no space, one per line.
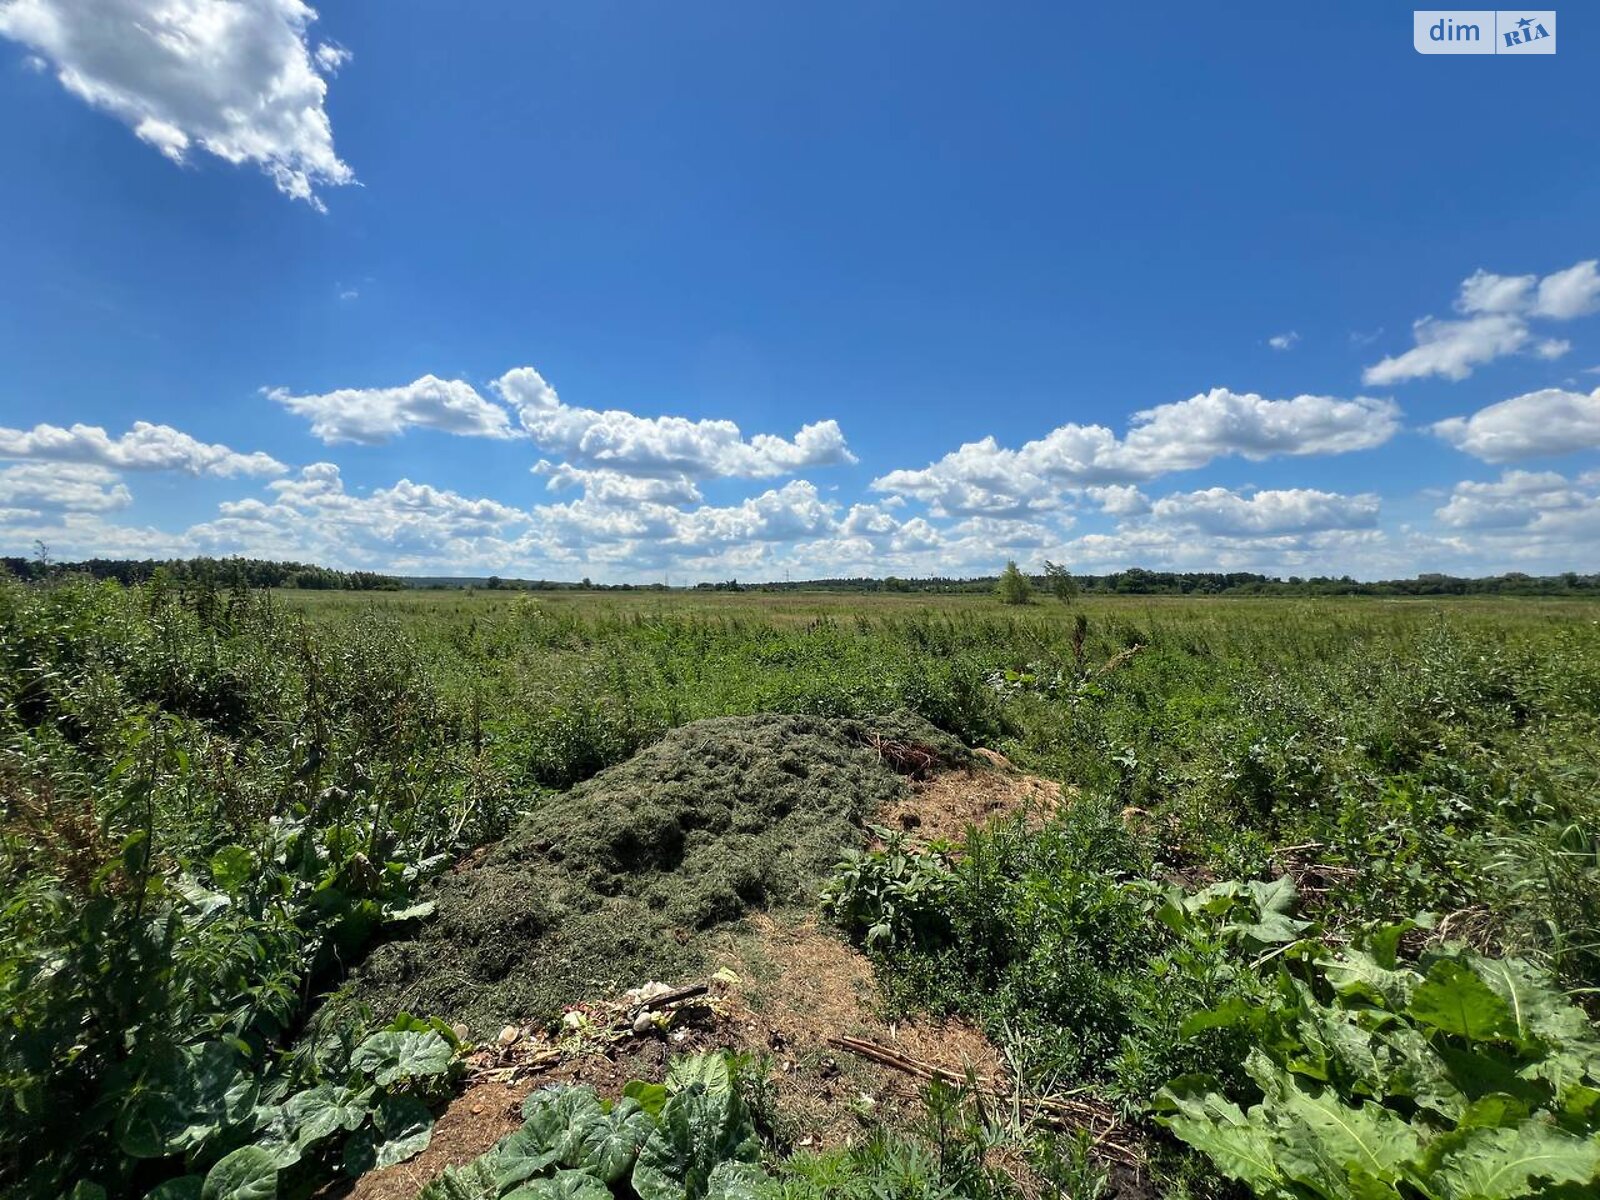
(1323,858)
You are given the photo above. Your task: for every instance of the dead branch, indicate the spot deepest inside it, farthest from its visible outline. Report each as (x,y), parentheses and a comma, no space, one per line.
(1061,1111)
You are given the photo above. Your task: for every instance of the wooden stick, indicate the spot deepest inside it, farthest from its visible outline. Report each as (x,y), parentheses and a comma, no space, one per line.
(1075,1113)
(669,998)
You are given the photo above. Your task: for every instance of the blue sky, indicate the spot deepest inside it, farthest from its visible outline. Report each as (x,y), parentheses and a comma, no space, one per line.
(634,290)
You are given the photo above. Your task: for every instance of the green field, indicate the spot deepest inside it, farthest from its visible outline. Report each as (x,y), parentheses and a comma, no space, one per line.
(215,801)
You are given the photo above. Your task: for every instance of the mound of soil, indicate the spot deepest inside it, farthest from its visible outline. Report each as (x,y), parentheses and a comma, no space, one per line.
(616,881)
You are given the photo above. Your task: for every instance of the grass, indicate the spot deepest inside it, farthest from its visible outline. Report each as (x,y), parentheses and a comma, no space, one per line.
(241,793)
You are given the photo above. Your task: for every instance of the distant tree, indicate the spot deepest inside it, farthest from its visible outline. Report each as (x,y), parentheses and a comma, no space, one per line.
(1062,585)
(492,583)
(1013,586)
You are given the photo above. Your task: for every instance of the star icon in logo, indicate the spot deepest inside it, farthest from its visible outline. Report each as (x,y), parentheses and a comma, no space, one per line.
(1525,22)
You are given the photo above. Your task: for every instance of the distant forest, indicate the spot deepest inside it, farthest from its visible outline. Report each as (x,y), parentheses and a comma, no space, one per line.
(261,573)
(218,572)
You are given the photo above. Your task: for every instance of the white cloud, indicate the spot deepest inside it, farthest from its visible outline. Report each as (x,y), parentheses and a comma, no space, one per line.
(1120,499)
(653,533)
(312,516)
(1538,520)
(985,479)
(1550,421)
(1451,349)
(1574,292)
(1283,341)
(145,447)
(619,443)
(30,489)
(1484,292)
(1225,513)
(237,78)
(1513,500)
(373,415)
(613,487)
(662,446)
(1497,309)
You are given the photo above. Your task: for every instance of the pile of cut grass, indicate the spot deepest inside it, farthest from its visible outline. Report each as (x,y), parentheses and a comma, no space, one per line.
(616,881)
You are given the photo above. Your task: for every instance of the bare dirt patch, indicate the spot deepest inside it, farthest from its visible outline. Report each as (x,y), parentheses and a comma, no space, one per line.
(800,986)
(473,1123)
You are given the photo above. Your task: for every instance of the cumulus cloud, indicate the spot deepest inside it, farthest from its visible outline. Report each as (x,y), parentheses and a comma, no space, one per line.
(613,487)
(1119,499)
(1496,310)
(145,447)
(1513,500)
(236,78)
(612,443)
(312,514)
(985,479)
(1574,292)
(374,415)
(1283,341)
(1266,513)
(33,489)
(1451,349)
(1538,518)
(661,446)
(653,532)
(1547,422)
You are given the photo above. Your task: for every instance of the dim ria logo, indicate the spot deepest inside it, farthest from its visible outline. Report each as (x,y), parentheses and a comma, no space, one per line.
(1484,31)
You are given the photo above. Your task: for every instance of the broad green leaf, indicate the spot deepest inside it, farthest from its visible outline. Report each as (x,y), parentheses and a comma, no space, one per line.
(607,1145)
(698,1130)
(710,1070)
(185,1187)
(1415,1070)
(1581,1103)
(1234,1011)
(1485,1069)
(315,1113)
(1274,923)
(388,1057)
(1497,1111)
(1321,1133)
(192,1093)
(474,1181)
(405,1125)
(1239,1145)
(1356,973)
(85,1190)
(232,867)
(652,1097)
(1498,1163)
(565,1100)
(563,1185)
(1453,999)
(249,1173)
(1384,943)
(556,1119)
(371,1148)
(735,1181)
(1539,1009)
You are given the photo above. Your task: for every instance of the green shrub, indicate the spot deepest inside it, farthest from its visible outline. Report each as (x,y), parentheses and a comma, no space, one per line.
(1462,1077)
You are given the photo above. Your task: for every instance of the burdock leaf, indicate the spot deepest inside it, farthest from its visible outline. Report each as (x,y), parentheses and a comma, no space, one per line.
(1453,999)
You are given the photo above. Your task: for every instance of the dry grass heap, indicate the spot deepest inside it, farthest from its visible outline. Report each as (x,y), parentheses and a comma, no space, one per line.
(618,880)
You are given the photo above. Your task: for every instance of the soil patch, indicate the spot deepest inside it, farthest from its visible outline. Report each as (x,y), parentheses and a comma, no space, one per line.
(799,986)
(619,880)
